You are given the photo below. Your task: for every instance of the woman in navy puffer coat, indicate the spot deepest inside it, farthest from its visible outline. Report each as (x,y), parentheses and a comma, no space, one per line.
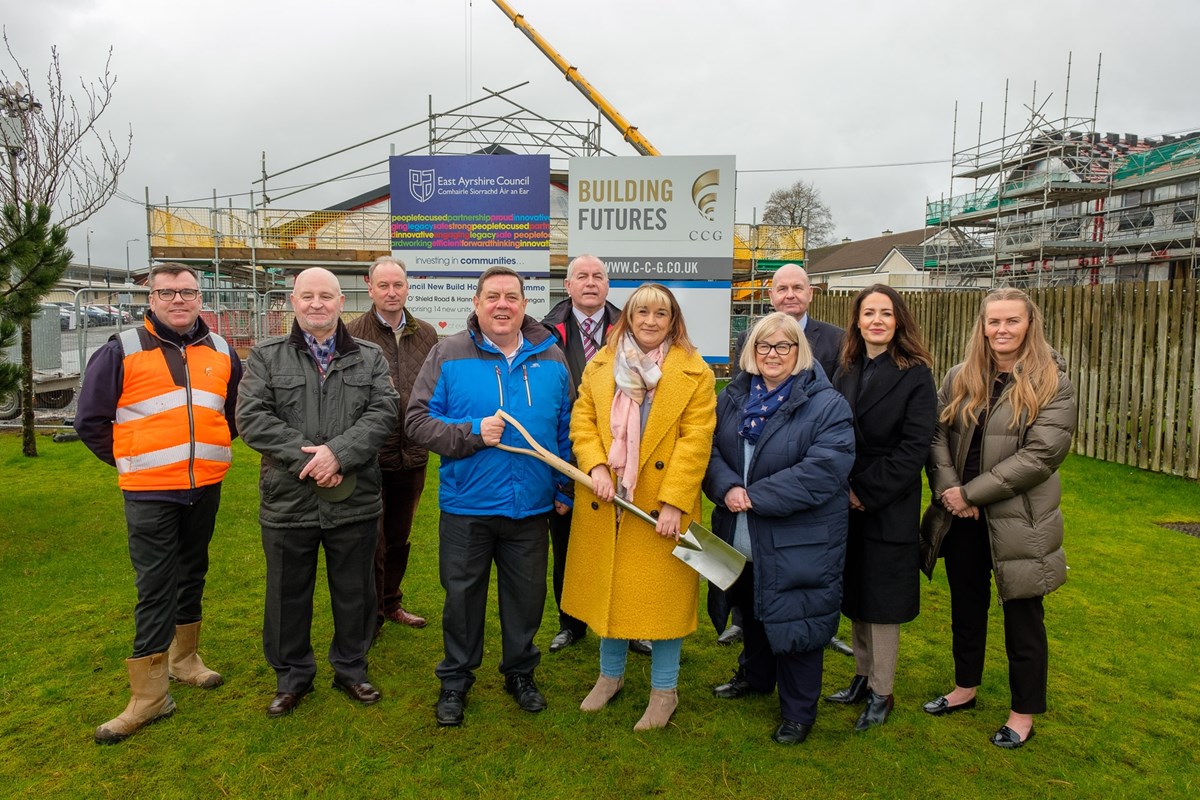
(783,447)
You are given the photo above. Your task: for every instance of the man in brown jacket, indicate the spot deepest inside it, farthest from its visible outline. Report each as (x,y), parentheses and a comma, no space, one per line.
(406,341)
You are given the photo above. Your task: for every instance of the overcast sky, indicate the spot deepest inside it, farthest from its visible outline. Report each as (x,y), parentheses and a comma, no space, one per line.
(207,87)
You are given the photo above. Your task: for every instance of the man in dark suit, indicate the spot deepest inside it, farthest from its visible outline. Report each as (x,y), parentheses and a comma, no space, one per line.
(581,324)
(791,293)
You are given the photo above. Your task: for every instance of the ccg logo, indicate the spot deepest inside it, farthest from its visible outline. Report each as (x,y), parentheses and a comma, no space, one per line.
(704,193)
(420,184)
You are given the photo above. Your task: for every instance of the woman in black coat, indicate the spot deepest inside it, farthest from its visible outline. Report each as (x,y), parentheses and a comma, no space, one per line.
(884,374)
(781,452)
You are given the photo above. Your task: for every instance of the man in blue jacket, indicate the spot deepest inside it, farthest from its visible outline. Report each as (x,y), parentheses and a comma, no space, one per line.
(494,504)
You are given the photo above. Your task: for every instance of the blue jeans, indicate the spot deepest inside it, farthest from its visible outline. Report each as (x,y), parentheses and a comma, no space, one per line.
(664,660)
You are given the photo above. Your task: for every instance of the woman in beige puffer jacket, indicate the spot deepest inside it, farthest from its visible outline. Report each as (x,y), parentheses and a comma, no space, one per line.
(1006,418)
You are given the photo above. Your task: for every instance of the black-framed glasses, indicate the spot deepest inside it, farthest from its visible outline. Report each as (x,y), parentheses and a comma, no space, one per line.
(782,348)
(167,295)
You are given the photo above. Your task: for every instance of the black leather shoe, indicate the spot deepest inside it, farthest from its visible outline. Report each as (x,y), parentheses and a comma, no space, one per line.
(838,646)
(1009,739)
(731,635)
(941,706)
(450,705)
(362,692)
(853,694)
(521,686)
(876,712)
(737,687)
(791,732)
(640,646)
(284,702)
(562,640)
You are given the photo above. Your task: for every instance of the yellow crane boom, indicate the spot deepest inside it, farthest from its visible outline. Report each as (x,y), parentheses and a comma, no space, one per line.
(629,132)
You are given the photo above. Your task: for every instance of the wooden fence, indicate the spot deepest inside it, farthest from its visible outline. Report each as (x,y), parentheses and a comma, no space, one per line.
(1131,353)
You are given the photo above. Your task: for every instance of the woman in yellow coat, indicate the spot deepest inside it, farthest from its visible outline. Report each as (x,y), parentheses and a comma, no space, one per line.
(642,428)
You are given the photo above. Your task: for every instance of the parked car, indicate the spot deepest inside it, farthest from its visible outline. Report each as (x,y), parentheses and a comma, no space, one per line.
(117,314)
(97,317)
(67,320)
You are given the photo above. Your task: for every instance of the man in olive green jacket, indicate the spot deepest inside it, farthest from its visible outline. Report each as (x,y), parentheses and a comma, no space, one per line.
(317,405)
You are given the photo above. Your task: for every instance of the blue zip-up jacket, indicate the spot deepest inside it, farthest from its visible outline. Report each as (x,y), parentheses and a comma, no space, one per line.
(465,379)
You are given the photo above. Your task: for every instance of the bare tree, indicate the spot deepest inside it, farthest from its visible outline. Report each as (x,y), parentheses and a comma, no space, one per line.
(800,205)
(59,159)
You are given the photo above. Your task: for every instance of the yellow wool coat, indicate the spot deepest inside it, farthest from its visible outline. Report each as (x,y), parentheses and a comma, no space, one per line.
(622,579)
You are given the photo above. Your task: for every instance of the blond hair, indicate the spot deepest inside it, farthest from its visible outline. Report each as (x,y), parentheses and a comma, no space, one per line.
(1034,372)
(777,322)
(649,295)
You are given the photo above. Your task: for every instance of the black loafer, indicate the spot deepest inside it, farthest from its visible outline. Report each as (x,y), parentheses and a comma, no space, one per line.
(361,692)
(853,694)
(737,687)
(838,646)
(790,732)
(640,646)
(941,706)
(562,640)
(450,705)
(285,702)
(1009,739)
(521,686)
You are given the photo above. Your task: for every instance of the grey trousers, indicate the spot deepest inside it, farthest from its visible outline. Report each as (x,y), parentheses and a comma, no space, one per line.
(168,547)
(291,578)
(468,547)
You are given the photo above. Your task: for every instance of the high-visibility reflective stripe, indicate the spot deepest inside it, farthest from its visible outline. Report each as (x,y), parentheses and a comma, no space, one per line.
(153,405)
(173,455)
(168,401)
(220,343)
(130,342)
(214,452)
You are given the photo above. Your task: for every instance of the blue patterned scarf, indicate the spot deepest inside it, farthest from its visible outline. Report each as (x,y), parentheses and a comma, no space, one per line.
(761,404)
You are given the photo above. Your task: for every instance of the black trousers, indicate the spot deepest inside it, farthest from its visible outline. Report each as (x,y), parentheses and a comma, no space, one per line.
(401,492)
(560,536)
(468,547)
(968,570)
(798,675)
(168,547)
(291,578)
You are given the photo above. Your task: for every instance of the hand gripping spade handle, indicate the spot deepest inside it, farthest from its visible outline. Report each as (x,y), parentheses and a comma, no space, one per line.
(698,547)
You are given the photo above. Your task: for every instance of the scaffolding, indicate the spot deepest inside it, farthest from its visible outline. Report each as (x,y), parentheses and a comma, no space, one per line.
(1058,203)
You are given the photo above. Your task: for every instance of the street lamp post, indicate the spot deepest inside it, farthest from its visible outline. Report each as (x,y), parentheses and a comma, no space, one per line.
(128,275)
(89,256)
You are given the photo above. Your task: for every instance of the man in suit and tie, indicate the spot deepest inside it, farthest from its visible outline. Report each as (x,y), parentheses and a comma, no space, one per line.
(791,293)
(581,324)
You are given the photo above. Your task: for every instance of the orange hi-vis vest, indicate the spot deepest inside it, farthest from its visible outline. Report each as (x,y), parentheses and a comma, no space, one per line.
(170,432)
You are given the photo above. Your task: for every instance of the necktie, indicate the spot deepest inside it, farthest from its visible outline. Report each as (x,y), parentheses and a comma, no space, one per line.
(589,344)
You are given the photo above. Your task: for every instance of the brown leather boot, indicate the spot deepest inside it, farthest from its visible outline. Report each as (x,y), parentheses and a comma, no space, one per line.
(659,710)
(185,665)
(605,690)
(149,699)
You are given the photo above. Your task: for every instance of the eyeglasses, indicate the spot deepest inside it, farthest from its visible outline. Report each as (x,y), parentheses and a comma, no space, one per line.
(782,348)
(167,295)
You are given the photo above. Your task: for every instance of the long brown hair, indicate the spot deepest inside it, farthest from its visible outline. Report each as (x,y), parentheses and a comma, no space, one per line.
(646,295)
(907,347)
(1034,373)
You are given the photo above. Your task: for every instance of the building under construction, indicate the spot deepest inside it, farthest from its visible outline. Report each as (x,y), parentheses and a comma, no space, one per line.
(1058,203)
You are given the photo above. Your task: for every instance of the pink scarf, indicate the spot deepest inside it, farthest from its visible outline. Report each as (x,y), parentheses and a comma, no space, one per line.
(637,374)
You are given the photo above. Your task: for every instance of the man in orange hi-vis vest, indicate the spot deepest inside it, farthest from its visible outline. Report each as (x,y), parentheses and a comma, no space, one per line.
(157,403)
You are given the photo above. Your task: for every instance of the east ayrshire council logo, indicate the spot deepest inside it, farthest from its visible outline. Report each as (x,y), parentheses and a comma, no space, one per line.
(704,193)
(420,184)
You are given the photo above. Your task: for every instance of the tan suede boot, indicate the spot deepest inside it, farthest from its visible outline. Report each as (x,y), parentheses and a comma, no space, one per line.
(148,701)
(185,665)
(658,712)
(606,689)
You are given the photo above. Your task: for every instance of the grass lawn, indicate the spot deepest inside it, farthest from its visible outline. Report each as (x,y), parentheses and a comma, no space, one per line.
(1124,693)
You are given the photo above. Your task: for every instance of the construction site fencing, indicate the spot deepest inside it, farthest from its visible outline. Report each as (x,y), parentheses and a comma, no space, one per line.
(1131,353)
